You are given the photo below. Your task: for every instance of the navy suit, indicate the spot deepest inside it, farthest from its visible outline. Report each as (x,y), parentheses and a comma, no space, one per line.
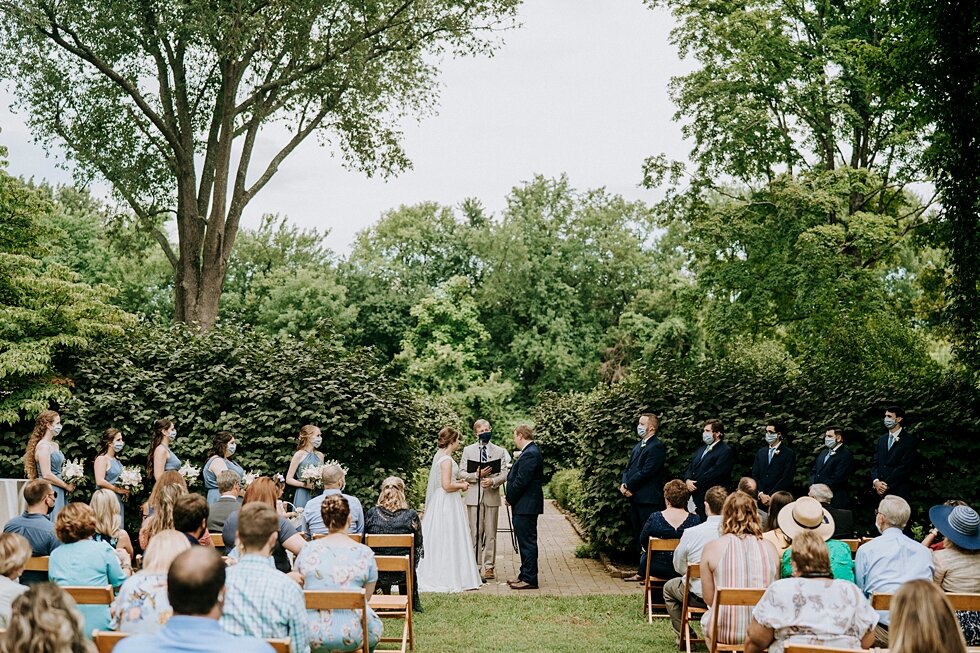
(708,470)
(526,497)
(895,466)
(644,478)
(775,476)
(834,471)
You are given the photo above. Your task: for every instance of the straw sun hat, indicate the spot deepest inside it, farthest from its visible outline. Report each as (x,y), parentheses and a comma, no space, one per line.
(805,514)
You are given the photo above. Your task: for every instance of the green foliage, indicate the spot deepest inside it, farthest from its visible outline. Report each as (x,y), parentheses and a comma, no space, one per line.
(260,388)
(557,420)
(566,488)
(743,393)
(46,313)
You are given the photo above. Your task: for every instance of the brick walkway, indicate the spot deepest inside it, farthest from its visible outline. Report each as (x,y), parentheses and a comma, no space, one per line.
(560,573)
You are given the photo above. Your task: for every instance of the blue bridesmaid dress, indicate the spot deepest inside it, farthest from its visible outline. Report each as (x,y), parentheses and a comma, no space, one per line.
(303,494)
(112,476)
(211,479)
(57,460)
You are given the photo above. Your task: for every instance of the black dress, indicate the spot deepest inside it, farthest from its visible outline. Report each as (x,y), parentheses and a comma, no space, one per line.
(381,521)
(662,563)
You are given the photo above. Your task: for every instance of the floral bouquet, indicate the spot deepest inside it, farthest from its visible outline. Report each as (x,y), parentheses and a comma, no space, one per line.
(248,477)
(72,471)
(190,473)
(312,474)
(131,478)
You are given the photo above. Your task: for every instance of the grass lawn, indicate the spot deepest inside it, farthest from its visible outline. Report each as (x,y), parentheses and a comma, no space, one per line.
(460,623)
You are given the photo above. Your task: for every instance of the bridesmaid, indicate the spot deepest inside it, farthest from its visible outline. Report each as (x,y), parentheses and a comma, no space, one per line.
(43,458)
(306,456)
(108,469)
(222,449)
(160,458)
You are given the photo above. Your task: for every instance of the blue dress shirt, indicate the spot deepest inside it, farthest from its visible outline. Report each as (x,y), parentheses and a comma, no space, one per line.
(186,634)
(884,563)
(313,520)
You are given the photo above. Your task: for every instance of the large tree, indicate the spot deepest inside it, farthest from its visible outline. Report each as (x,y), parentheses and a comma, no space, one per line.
(168,100)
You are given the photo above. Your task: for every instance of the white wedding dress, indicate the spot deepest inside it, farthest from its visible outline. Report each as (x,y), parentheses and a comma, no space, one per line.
(449,563)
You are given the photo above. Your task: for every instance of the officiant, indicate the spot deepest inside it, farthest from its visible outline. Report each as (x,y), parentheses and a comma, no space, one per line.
(483,496)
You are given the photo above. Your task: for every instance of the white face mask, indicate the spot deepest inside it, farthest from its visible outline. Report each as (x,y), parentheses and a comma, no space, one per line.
(231,448)
(830,442)
(708,437)
(317,441)
(172,435)
(56,428)
(771,437)
(118,446)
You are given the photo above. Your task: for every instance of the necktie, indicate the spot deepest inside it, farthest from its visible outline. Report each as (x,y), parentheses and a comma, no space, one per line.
(771,451)
(891,441)
(483,454)
(706,450)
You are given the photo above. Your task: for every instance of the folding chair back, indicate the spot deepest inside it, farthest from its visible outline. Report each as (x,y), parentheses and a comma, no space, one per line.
(736,598)
(688,611)
(653,584)
(106,640)
(390,540)
(218,540)
(37,563)
(357,537)
(798,648)
(85,595)
(341,600)
(853,543)
(397,607)
(960,602)
(280,644)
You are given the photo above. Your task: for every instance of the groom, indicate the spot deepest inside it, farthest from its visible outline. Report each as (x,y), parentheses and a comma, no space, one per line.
(483,518)
(524,494)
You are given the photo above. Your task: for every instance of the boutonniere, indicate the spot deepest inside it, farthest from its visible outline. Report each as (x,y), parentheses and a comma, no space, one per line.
(776,453)
(897,438)
(832,452)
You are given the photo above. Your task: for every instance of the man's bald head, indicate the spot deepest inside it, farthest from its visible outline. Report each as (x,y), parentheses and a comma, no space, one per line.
(195,580)
(332,476)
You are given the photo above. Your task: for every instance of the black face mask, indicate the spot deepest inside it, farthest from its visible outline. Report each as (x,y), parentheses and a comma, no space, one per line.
(485,437)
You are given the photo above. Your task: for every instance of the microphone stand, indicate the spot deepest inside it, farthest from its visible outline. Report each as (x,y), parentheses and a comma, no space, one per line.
(479,500)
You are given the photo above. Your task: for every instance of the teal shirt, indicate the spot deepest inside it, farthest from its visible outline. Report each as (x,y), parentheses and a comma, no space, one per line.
(841,563)
(89,563)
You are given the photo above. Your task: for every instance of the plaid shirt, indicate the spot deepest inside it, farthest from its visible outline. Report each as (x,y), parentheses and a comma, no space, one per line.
(261,601)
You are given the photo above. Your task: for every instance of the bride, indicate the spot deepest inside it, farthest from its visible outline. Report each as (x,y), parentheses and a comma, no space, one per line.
(448,564)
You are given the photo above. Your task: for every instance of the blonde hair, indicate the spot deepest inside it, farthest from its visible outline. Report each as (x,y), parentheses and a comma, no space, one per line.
(105,505)
(740,516)
(15,551)
(41,424)
(306,436)
(478,424)
(162,549)
(163,512)
(392,495)
(44,619)
(923,621)
(810,555)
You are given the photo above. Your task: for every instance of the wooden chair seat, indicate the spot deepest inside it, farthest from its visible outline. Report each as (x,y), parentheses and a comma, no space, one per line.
(85,595)
(653,583)
(731,597)
(397,606)
(853,543)
(341,600)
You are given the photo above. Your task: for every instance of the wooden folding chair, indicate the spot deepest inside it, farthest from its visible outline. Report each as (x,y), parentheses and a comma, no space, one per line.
(689,611)
(357,537)
(396,606)
(654,583)
(85,595)
(799,648)
(394,541)
(37,563)
(218,540)
(960,602)
(341,600)
(280,644)
(853,543)
(731,597)
(106,640)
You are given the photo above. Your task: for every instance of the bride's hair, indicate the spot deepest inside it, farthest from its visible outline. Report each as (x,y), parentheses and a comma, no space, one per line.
(447,436)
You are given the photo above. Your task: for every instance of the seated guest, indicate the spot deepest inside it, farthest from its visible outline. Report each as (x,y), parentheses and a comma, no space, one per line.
(886,562)
(956,568)
(748,485)
(45,619)
(843,519)
(933,539)
(825,611)
(167,479)
(336,562)
(667,524)
(191,518)
(333,482)
(230,488)
(141,606)
(108,521)
(260,600)
(35,526)
(806,514)
(194,587)
(688,552)
(772,533)
(263,490)
(80,560)
(15,551)
(740,558)
(392,516)
(161,511)
(922,621)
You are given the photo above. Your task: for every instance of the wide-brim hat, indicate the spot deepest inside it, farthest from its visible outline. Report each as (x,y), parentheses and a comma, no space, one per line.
(805,514)
(959,524)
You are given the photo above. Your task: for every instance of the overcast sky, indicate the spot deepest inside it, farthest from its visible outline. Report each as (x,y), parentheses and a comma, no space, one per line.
(579,88)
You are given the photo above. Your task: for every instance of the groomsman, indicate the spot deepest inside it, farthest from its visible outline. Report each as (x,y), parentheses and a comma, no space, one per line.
(833,467)
(710,465)
(894,457)
(643,479)
(775,463)
(487,495)
(525,495)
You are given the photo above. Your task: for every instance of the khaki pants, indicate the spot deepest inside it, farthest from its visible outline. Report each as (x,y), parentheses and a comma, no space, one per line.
(488,534)
(674,599)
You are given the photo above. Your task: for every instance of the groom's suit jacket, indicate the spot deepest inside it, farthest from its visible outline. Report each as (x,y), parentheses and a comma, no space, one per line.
(488,496)
(524,491)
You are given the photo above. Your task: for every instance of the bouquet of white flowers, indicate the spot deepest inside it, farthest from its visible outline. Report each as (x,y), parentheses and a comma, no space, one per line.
(248,477)
(72,471)
(131,478)
(312,474)
(190,473)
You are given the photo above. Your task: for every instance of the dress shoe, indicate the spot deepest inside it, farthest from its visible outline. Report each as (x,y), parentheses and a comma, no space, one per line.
(521,585)
(636,578)
(489,575)
(514,581)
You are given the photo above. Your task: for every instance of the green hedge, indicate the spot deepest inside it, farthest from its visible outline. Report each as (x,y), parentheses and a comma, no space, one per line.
(557,420)
(942,410)
(566,488)
(262,389)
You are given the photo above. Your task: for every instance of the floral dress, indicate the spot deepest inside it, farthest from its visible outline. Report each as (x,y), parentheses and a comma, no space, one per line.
(327,566)
(141,606)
